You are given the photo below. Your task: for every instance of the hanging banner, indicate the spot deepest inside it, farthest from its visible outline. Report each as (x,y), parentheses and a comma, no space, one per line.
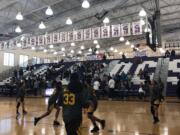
(63,37)
(136,28)
(70,36)
(48,39)
(96,33)
(126,29)
(105,32)
(78,35)
(116,30)
(55,38)
(87,34)
(41,40)
(28,42)
(33,41)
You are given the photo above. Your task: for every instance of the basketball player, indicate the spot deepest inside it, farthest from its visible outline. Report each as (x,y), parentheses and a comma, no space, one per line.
(53,102)
(155,98)
(20,98)
(93,104)
(75,99)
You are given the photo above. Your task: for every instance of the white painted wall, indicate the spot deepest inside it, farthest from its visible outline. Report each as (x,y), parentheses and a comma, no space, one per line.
(18,52)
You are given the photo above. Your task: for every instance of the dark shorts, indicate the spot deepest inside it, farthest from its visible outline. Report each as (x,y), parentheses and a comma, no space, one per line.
(93,106)
(73,127)
(20,99)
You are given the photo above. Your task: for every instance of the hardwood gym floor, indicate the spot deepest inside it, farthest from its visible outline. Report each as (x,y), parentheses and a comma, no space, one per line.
(123,118)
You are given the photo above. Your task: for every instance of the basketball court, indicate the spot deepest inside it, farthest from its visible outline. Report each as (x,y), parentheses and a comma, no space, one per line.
(122,118)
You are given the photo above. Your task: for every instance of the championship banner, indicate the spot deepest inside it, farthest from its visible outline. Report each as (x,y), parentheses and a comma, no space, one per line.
(41,40)
(105,32)
(28,42)
(70,36)
(24,44)
(96,33)
(33,41)
(136,28)
(78,35)
(55,38)
(63,37)
(87,34)
(48,39)
(126,29)
(116,30)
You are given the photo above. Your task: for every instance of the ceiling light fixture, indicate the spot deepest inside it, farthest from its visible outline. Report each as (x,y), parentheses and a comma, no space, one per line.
(112,49)
(80,52)
(42,25)
(51,46)
(82,47)
(142,13)
(73,44)
(55,53)
(90,50)
(45,50)
(115,50)
(63,49)
(127,42)
(18,29)
(72,51)
(132,46)
(97,52)
(19,16)
(95,42)
(69,21)
(142,22)
(49,11)
(106,20)
(85,4)
(97,46)
(33,48)
(121,39)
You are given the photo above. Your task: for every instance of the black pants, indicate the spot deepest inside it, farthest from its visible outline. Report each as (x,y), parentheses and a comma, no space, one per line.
(73,127)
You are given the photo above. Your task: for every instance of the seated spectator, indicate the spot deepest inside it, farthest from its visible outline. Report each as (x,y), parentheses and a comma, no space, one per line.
(141,92)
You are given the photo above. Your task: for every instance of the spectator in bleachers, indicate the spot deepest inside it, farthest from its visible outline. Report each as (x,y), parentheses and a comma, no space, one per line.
(178,88)
(15,73)
(96,86)
(167,53)
(141,91)
(123,57)
(21,73)
(173,54)
(36,87)
(111,85)
(141,73)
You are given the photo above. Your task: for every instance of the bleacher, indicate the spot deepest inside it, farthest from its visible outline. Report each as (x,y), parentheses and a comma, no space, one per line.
(117,66)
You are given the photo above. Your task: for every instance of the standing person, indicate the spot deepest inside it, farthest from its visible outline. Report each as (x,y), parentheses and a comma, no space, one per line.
(111,85)
(53,102)
(178,88)
(21,73)
(93,104)
(155,97)
(20,99)
(161,88)
(75,98)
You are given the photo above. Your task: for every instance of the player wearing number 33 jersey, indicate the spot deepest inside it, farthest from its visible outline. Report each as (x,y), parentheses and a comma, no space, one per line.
(74,99)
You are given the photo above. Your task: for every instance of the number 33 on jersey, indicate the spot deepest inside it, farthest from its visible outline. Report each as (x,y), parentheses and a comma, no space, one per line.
(69,98)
